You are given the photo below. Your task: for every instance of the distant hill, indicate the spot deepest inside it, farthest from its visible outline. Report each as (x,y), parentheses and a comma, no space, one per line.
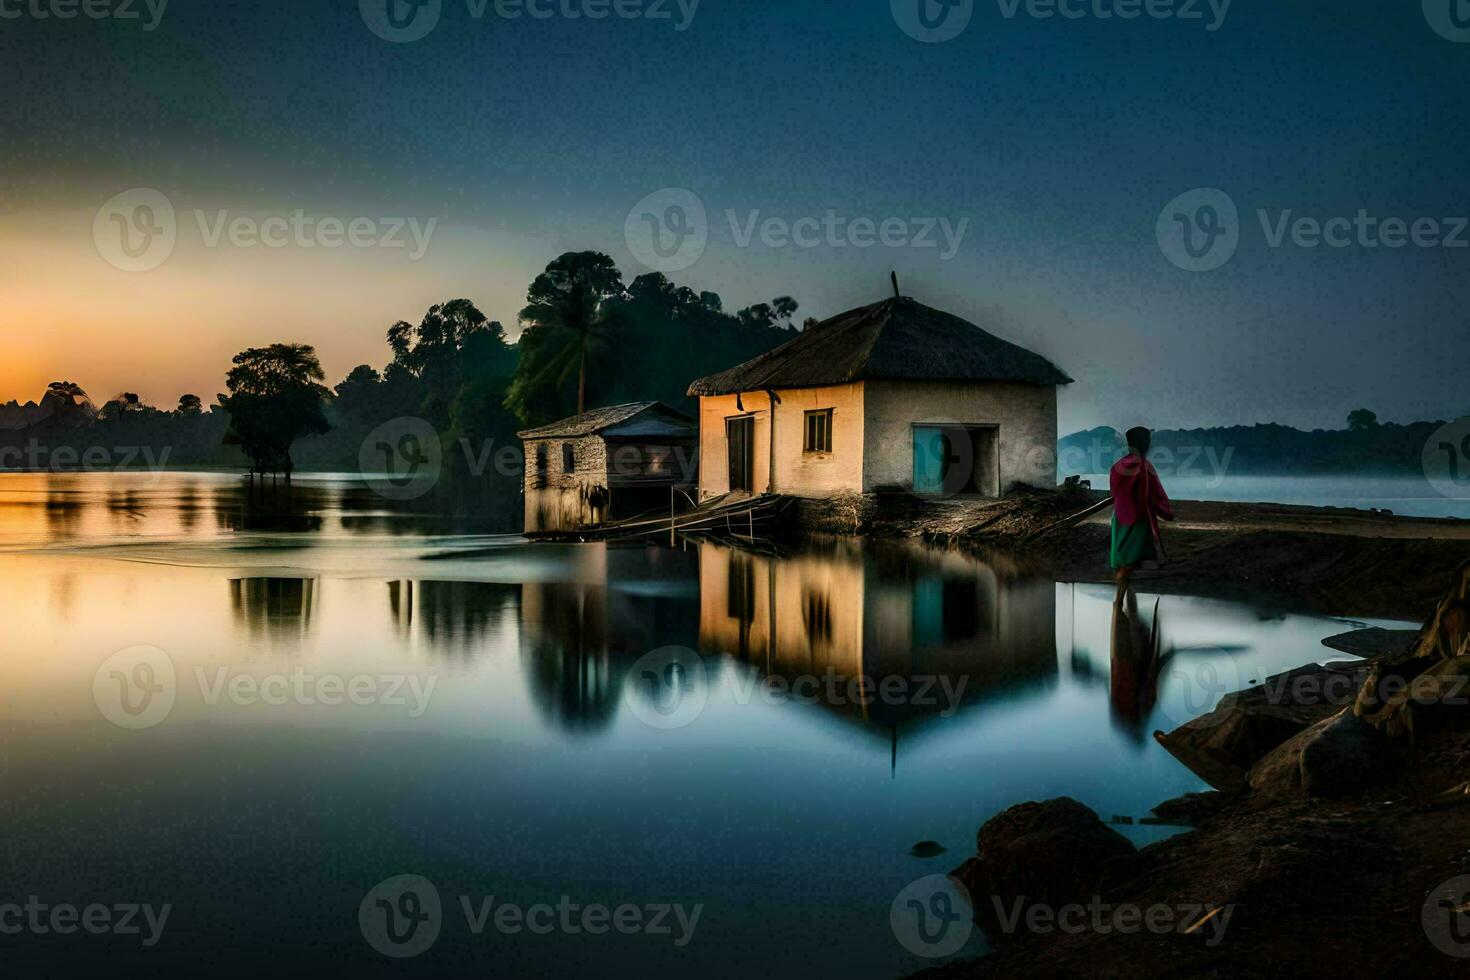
(1261,450)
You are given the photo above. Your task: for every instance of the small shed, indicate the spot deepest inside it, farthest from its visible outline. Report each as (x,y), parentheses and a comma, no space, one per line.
(607,464)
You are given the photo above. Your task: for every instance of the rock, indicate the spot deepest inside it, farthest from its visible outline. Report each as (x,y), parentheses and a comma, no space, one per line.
(1222,746)
(1187,810)
(1051,852)
(1337,756)
(927,849)
(1373,641)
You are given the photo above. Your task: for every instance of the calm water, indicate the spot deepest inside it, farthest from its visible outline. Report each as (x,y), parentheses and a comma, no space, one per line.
(526,751)
(1404,495)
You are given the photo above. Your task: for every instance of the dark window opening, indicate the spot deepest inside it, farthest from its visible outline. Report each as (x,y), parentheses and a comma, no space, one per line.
(568,458)
(819,431)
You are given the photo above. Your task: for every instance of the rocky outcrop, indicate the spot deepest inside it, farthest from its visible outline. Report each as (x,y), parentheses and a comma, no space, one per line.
(1222,746)
(1051,852)
(1337,756)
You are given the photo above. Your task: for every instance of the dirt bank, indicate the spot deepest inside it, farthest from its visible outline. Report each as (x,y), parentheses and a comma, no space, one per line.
(1326,560)
(1315,888)
(1335,843)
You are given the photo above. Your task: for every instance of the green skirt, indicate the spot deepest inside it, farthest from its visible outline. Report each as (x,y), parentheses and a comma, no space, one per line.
(1132,543)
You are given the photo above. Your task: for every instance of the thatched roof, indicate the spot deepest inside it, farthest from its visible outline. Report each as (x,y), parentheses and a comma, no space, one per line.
(898,339)
(601,419)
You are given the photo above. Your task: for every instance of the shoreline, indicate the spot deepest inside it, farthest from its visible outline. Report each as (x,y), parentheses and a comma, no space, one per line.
(1291,558)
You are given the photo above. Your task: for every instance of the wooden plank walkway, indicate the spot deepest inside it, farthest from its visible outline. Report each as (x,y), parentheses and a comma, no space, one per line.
(735,514)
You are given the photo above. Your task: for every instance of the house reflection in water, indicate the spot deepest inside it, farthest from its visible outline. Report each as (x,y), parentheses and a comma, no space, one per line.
(280,608)
(881,610)
(452,618)
(579,638)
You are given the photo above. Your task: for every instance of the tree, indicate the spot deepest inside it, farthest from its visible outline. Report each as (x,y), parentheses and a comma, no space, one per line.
(564,322)
(777,313)
(275,398)
(357,394)
(1361,419)
(189,405)
(427,359)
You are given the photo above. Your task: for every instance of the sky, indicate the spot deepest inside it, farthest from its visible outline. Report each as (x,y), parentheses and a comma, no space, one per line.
(1035,174)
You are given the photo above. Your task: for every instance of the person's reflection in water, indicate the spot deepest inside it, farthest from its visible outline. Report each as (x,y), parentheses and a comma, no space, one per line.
(1137,664)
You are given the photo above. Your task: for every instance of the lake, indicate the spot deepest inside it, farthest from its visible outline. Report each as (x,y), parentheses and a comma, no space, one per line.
(1408,496)
(264,721)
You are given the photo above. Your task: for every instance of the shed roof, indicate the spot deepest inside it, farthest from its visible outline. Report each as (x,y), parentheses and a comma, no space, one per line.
(897,339)
(600,420)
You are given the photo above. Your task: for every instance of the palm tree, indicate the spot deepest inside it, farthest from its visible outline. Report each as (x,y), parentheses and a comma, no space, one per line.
(565,321)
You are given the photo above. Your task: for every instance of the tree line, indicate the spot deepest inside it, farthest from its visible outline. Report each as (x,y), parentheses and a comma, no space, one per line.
(587,339)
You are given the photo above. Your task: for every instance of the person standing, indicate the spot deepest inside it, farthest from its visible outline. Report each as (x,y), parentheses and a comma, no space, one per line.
(1139,503)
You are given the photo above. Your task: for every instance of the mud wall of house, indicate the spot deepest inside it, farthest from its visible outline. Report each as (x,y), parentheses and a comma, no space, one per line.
(1025,414)
(557,500)
(798,472)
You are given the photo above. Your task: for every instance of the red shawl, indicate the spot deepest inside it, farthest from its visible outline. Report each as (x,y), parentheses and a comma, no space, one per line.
(1137,492)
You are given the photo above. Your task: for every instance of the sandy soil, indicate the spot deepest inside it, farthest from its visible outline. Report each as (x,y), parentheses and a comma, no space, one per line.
(1324,560)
